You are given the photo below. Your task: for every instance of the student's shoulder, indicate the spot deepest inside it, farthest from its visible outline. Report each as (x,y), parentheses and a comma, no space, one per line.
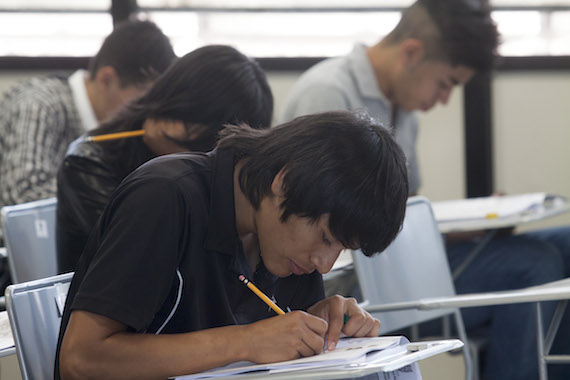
(182,179)
(180,169)
(331,72)
(50,90)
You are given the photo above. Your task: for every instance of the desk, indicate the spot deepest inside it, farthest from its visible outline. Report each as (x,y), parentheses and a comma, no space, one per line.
(553,291)
(6,339)
(344,262)
(545,211)
(527,214)
(387,360)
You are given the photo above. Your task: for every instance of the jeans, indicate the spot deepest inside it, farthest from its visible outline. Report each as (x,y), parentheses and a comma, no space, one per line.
(506,263)
(560,238)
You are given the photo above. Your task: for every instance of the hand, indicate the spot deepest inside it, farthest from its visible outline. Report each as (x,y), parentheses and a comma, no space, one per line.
(333,310)
(285,337)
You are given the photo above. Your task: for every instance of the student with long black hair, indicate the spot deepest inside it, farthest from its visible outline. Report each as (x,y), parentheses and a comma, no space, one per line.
(183,111)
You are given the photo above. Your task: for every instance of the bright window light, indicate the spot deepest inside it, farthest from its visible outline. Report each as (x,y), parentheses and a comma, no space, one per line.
(273,34)
(518,23)
(53,34)
(77,28)
(56,4)
(274,3)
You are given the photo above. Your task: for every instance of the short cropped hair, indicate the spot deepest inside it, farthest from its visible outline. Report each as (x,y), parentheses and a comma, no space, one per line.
(460,32)
(137,50)
(339,163)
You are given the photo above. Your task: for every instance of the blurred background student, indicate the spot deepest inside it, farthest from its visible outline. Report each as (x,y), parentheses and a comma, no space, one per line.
(41,116)
(182,111)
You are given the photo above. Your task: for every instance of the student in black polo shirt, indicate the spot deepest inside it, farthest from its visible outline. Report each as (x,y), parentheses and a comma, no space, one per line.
(156,292)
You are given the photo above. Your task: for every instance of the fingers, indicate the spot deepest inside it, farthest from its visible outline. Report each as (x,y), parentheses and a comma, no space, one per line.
(307,334)
(337,309)
(360,322)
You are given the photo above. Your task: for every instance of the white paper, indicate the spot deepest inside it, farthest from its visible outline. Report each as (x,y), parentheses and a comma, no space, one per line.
(349,350)
(6,338)
(488,207)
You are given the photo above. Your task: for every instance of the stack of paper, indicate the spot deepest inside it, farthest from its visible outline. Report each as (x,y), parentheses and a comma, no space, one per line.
(348,351)
(491,207)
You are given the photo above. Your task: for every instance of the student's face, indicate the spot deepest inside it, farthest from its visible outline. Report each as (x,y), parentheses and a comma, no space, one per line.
(295,246)
(423,85)
(113,96)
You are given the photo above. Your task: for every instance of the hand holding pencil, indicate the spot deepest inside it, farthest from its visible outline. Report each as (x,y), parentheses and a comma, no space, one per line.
(291,335)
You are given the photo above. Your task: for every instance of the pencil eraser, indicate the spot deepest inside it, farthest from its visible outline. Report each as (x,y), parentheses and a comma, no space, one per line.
(414,347)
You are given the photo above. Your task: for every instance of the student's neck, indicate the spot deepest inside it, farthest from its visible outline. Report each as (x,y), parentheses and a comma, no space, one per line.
(245,221)
(94,99)
(244,210)
(382,58)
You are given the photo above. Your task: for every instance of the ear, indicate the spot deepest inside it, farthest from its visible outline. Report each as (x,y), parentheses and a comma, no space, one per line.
(107,77)
(412,52)
(277,184)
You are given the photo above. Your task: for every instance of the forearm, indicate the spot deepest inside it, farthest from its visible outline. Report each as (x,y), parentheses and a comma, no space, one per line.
(147,356)
(96,347)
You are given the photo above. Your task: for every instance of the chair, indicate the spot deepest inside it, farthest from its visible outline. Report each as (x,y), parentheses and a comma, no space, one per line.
(394,275)
(411,282)
(29,235)
(35,309)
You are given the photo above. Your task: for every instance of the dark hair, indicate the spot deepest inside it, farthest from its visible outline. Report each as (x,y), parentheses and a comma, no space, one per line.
(458,31)
(339,163)
(137,50)
(211,86)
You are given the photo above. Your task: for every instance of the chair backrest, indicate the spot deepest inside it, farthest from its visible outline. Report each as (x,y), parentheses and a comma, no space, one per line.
(35,309)
(29,235)
(413,267)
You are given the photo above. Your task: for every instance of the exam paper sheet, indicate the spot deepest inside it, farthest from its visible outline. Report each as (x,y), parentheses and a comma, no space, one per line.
(349,350)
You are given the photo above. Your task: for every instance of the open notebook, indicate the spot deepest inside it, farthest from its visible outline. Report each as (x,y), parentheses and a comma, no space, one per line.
(388,353)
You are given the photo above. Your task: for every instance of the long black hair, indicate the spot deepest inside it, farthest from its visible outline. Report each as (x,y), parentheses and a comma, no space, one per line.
(210,86)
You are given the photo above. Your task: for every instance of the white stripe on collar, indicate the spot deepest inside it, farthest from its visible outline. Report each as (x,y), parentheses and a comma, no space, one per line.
(79,92)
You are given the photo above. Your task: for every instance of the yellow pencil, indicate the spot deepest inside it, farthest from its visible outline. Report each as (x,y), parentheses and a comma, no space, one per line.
(260,294)
(115,136)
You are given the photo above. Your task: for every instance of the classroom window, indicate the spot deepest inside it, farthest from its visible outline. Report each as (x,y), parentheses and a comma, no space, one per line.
(261,28)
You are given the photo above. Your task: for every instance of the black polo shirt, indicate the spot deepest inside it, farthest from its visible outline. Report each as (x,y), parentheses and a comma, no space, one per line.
(165,255)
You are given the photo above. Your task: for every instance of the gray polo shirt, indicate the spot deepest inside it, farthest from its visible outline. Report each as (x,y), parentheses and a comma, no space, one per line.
(349,83)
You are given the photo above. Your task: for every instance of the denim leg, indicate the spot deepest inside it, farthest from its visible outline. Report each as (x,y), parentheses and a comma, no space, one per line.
(507,263)
(560,237)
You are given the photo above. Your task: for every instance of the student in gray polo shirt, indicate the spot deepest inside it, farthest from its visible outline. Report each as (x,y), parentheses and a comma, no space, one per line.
(437,45)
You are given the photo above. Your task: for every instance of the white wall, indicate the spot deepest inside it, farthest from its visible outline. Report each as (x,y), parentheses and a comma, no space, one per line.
(532,134)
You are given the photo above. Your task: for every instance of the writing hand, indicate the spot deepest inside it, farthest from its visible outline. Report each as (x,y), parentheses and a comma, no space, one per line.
(333,310)
(285,337)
